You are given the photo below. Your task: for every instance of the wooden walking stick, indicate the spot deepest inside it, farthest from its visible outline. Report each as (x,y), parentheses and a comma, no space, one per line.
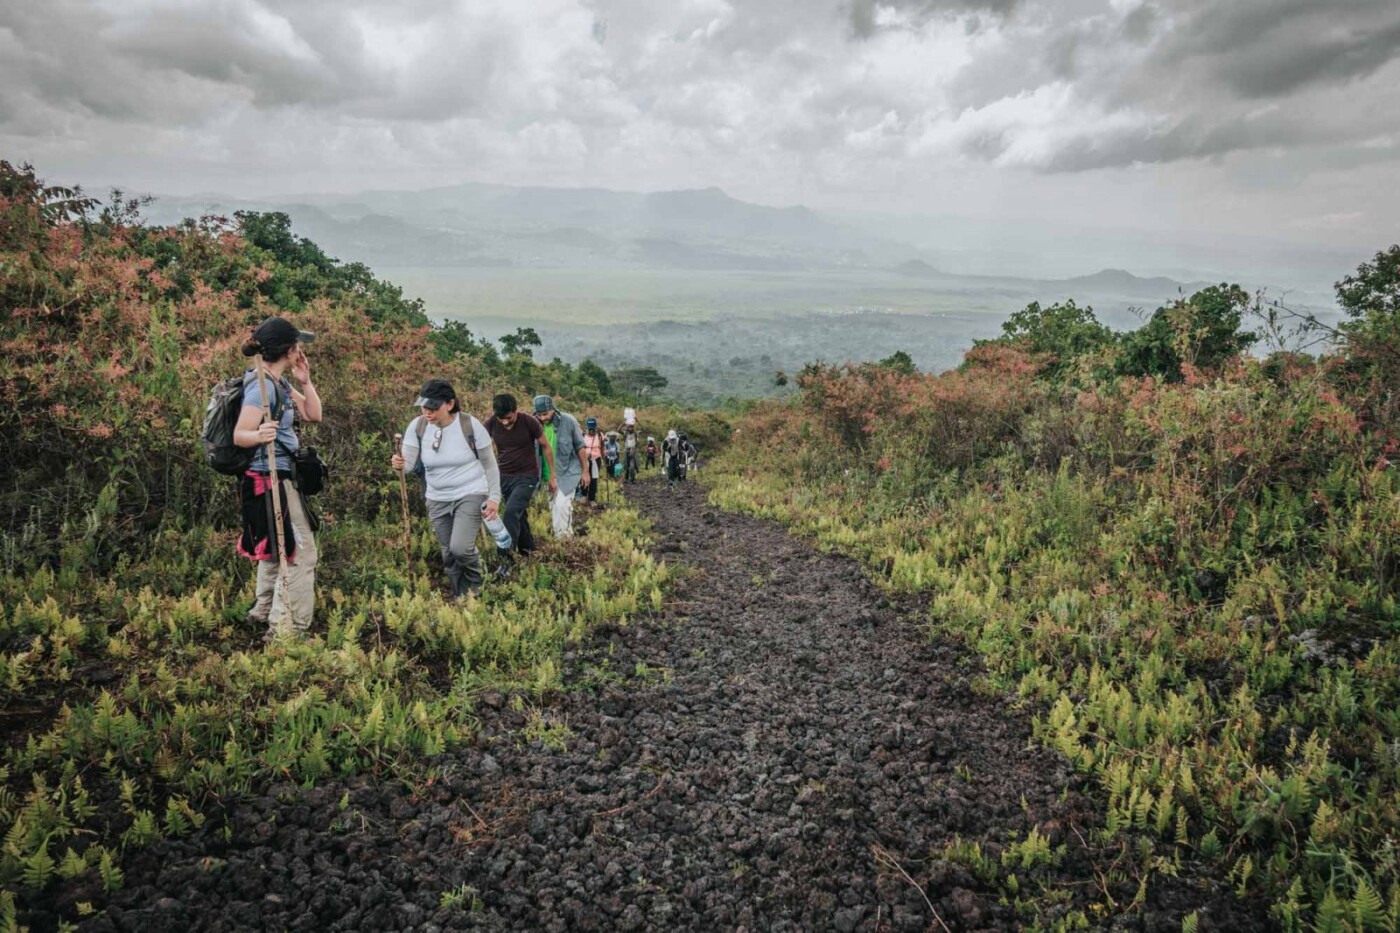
(403,500)
(275,488)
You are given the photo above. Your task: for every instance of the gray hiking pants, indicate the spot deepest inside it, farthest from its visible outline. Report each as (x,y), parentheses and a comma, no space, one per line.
(457,525)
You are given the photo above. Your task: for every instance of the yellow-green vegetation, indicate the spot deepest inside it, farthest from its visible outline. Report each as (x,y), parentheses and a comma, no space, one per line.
(196,710)
(1192,581)
(133,698)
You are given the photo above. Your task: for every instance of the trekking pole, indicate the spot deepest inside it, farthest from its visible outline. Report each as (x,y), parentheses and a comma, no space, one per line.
(403,500)
(275,487)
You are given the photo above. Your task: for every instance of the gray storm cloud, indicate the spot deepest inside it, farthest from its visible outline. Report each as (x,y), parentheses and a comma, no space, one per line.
(1212,79)
(865,14)
(785,95)
(1144,82)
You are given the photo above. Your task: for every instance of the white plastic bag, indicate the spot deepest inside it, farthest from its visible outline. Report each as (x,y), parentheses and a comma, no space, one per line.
(562,514)
(629,416)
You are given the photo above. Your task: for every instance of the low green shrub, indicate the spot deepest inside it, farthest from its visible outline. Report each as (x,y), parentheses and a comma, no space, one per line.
(1194,585)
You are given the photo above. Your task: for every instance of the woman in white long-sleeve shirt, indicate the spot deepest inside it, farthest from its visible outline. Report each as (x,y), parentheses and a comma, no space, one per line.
(463,480)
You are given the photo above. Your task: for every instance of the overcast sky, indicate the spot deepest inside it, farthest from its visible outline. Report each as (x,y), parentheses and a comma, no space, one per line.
(1200,117)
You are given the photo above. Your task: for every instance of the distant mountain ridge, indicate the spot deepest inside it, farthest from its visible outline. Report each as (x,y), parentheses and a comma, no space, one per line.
(1120,281)
(498,225)
(1115,282)
(477,225)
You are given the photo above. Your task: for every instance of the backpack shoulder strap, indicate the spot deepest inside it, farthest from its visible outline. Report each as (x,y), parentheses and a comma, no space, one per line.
(468,427)
(420,424)
(275,406)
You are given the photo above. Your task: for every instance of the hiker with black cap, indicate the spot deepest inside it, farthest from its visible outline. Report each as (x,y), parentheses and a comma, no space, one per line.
(462,479)
(517,435)
(286,592)
(569,455)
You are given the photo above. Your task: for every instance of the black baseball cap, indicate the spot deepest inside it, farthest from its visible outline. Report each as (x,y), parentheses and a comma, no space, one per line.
(277,332)
(435,393)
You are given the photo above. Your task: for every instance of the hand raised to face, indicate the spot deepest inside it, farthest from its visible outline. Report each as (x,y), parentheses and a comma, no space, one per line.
(301,366)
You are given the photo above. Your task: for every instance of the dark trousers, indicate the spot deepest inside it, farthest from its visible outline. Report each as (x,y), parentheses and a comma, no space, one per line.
(516,492)
(590,483)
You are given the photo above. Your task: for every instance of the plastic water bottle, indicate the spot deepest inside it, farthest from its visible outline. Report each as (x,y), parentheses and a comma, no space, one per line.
(496,529)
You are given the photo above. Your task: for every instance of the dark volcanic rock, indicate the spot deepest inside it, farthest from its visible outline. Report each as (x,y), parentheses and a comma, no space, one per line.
(796,752)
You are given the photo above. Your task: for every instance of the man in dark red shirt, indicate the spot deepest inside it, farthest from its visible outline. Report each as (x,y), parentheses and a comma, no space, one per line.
(516,436)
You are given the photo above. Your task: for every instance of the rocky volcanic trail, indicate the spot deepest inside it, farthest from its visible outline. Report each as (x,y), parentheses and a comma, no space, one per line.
(781,748)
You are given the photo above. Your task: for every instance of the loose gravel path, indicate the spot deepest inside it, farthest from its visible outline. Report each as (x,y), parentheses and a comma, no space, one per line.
(781,748)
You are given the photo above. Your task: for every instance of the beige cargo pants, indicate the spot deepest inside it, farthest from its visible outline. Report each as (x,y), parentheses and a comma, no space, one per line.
(291,614)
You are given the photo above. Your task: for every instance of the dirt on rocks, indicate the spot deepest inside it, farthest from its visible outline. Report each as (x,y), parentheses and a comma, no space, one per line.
(780,748)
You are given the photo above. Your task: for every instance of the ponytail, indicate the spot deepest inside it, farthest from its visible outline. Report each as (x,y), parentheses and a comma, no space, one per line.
(252,347)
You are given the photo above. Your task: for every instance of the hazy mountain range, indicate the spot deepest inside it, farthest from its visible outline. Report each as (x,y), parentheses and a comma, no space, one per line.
(479,226)
(490,226)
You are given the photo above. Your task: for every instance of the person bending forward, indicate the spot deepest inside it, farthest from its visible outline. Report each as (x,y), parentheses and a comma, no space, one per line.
(462,479)
(516,435)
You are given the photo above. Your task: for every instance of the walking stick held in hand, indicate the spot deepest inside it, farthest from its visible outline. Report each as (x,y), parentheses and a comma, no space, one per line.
(403,500)
(275,487)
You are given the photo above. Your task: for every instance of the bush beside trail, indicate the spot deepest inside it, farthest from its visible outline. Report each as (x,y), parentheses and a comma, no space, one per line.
(133,701)
(1190,575)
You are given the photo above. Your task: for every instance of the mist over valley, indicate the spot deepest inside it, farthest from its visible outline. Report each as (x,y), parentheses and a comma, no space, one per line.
(719,294)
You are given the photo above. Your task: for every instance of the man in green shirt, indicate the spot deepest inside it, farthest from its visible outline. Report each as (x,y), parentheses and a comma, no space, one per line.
(564,437)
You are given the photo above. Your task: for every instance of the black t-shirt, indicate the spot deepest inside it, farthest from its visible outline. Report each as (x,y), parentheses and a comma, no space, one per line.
(515,446)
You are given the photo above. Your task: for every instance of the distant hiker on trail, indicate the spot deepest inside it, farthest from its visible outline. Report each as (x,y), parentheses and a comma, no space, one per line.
(610,453)
(593,444)
(461,475)
(652,451)
(629,453)
(671,450)
(285,596)
(564,443)
(517,435)
(688,454)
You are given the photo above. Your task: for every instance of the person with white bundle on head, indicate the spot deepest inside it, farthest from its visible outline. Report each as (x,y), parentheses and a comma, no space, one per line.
(675,457)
